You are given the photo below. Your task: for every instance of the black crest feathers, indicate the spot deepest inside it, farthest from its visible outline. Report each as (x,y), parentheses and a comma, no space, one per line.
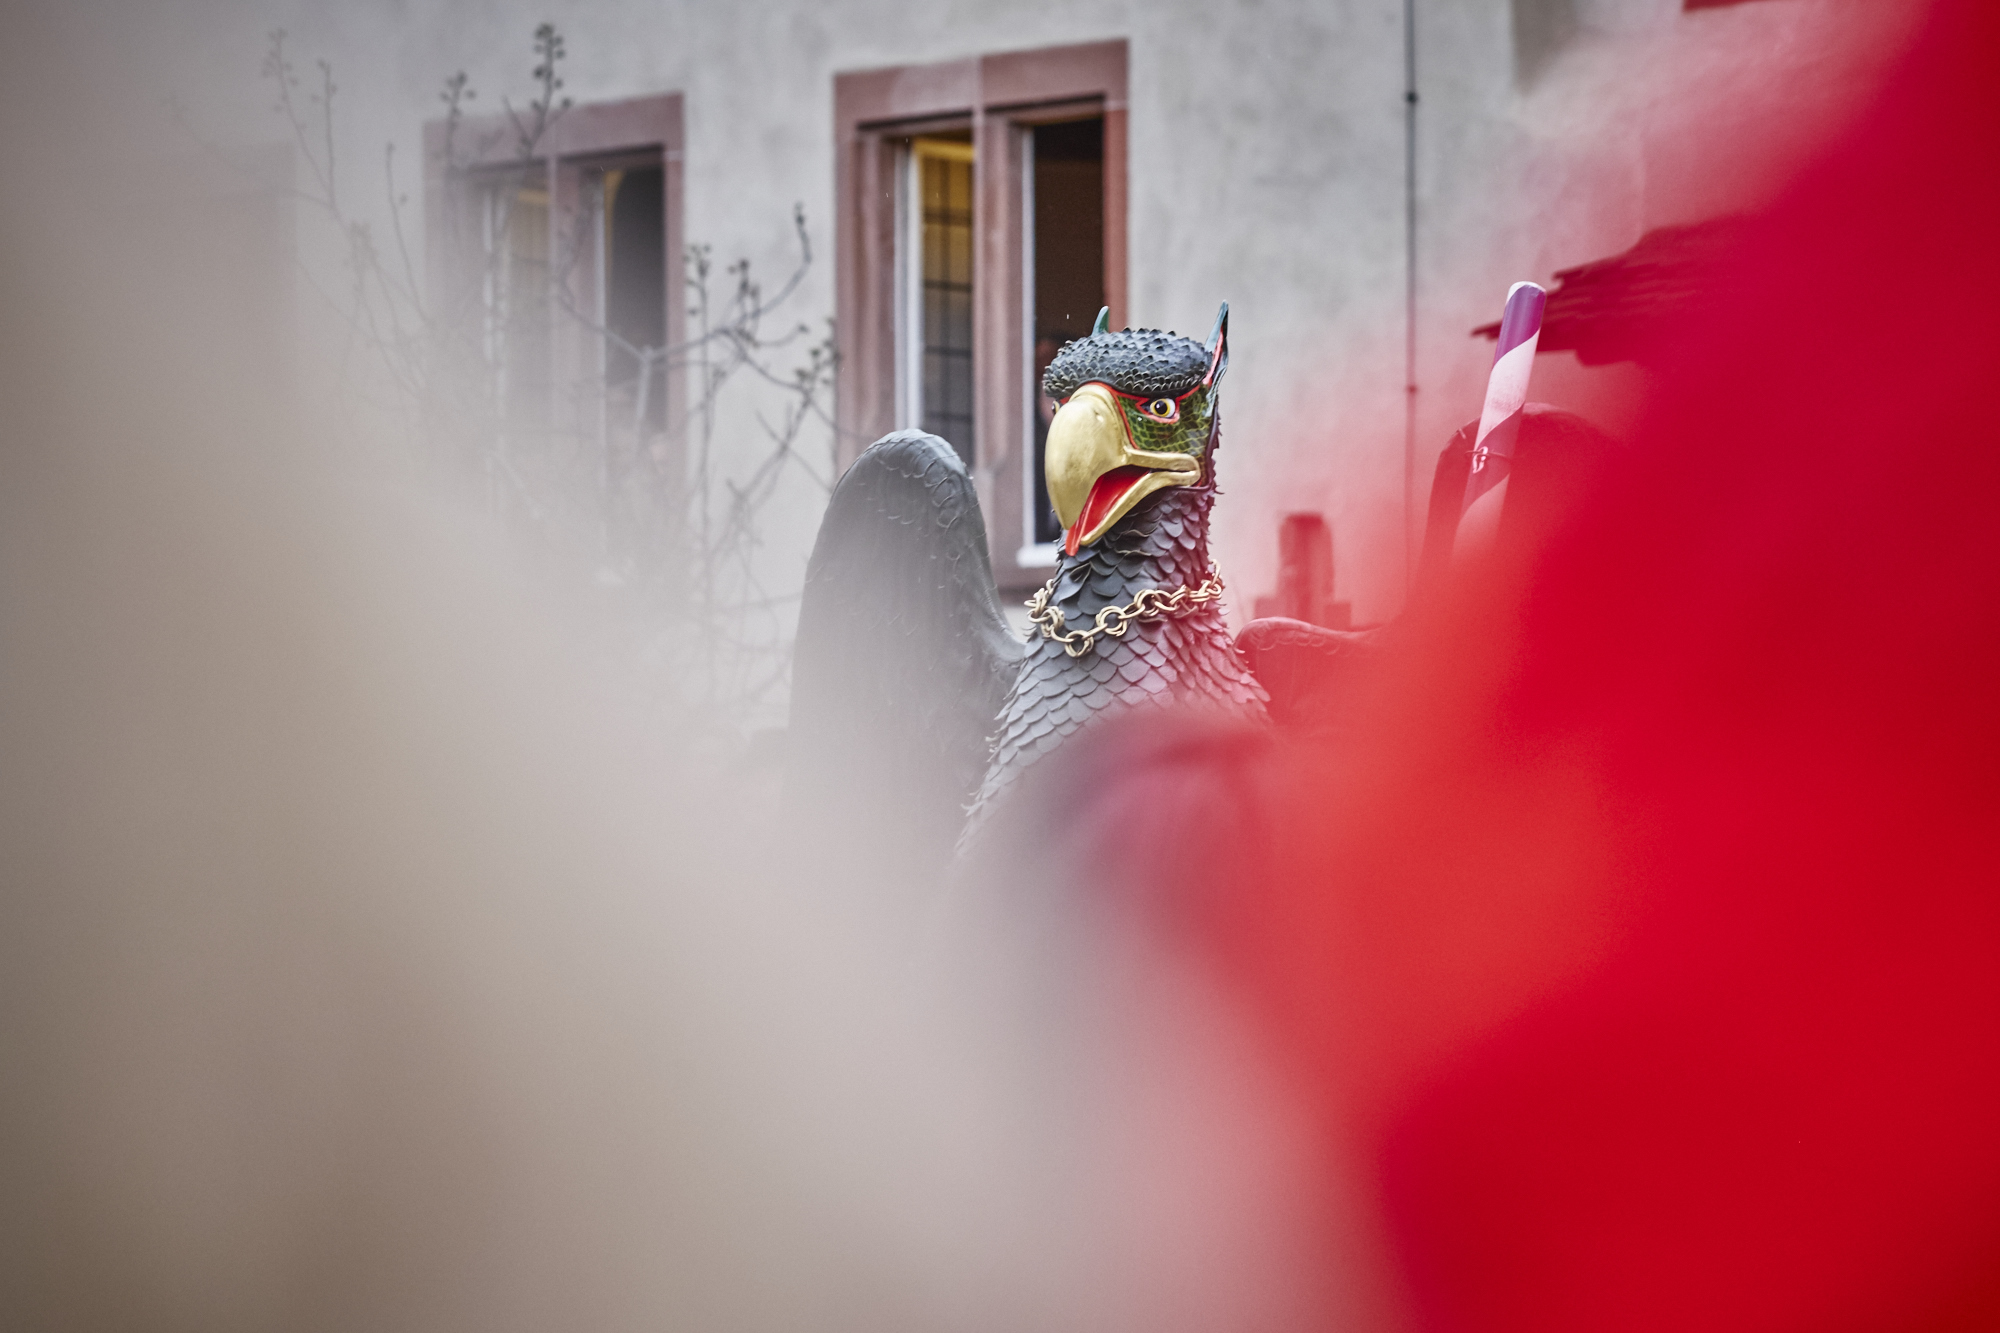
(1147,362)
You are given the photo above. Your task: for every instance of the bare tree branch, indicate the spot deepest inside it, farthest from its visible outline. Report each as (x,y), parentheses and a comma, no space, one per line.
(686,543)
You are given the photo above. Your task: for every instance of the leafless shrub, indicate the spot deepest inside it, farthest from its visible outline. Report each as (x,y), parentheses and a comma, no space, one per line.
(649,498)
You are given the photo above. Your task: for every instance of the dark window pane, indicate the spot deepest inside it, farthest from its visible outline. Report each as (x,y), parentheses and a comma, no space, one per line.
(1069,265)
(635,295)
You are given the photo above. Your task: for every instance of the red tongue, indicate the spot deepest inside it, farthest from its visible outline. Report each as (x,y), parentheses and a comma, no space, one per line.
(1105,493)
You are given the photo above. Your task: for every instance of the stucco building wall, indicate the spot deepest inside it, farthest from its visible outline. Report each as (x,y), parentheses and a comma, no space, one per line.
(1266,158)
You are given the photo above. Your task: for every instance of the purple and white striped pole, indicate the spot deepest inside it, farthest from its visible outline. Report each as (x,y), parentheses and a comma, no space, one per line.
(1500,419)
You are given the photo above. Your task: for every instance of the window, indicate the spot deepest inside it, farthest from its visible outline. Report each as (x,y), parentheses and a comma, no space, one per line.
(934,271)
(514,307)
(554,265)
(981,221)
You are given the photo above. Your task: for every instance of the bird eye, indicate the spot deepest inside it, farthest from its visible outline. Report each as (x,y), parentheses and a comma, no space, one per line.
(1166,409)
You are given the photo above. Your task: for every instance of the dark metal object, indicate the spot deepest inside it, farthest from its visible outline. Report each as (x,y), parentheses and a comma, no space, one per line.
(1556,453)
(1625,307)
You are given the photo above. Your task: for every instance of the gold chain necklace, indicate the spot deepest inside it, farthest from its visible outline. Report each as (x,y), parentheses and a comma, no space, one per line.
(1150,604)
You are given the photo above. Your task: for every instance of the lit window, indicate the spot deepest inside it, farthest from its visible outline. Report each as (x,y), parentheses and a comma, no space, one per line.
(554,259)
(514,239)
(981,220)
(934,328)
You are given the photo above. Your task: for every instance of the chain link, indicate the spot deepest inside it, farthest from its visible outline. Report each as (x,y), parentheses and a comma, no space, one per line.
(1150,604)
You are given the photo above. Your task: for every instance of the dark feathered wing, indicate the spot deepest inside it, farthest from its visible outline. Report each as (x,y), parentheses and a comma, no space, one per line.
(902,658)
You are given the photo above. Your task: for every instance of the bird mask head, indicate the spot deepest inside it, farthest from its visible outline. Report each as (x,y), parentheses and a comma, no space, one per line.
(1137,415)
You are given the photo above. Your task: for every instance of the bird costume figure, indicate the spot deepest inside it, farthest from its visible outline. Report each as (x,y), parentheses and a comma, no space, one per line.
(915,709)
(1132,616)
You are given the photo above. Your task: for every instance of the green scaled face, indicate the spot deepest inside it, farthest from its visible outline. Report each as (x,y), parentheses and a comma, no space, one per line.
(1168,425)
(1137,415)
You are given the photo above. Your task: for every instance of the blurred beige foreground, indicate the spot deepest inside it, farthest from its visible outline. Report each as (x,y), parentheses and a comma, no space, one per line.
(368,961)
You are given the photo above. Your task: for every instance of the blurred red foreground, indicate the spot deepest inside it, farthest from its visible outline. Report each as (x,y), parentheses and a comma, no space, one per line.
(1657,979)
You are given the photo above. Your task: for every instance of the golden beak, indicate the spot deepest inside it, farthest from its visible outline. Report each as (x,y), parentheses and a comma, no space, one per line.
(1095,475)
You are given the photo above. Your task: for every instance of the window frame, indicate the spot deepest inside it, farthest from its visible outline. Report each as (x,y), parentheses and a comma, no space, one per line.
(583,139)
(1002,97)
